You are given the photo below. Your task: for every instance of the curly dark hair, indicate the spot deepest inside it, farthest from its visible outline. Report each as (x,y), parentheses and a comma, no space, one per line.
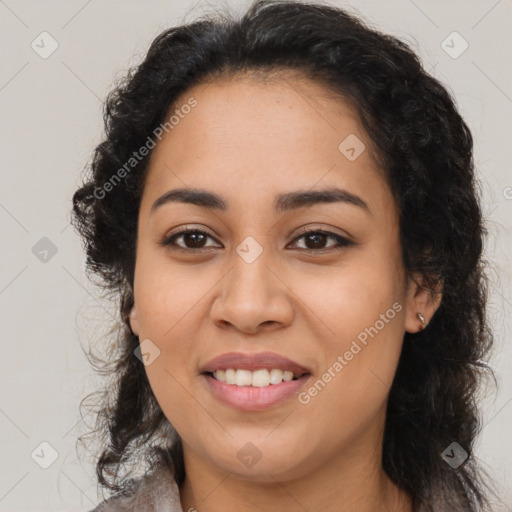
(424,148)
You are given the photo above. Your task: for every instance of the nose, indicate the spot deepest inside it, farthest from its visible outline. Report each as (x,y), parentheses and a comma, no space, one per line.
(252,297)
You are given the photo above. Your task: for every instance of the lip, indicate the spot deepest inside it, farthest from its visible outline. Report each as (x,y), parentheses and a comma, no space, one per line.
(252,362)
(248,398)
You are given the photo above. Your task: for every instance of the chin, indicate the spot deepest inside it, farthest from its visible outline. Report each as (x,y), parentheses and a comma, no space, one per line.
(257,463)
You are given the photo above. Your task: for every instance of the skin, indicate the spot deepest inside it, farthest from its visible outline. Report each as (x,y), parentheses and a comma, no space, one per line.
(248,141)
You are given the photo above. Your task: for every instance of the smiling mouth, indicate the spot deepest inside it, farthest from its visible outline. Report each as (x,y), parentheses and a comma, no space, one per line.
(258,378)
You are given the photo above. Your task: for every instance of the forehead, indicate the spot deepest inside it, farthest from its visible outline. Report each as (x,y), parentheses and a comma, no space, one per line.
(250,137)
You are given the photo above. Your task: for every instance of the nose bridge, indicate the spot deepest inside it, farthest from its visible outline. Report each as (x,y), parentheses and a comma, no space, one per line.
(251,275)
(251,294)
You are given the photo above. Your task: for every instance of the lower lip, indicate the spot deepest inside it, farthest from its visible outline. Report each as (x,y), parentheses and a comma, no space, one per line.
(249,398)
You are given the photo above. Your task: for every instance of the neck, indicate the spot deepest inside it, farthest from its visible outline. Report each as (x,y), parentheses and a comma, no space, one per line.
(346,483)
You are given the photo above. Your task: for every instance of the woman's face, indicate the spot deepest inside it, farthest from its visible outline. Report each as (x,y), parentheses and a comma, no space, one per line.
(330,307)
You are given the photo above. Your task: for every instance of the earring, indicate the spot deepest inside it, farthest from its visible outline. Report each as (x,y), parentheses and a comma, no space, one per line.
(422,319)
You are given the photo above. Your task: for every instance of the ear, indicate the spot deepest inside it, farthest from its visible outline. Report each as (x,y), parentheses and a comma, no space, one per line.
(134,323)
(421,304)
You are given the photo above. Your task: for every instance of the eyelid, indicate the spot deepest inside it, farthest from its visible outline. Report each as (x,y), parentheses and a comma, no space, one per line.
(314,228)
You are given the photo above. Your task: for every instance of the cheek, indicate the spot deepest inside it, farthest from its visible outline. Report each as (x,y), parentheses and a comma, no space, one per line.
(166,294)
(351,298)
(365,315)
(168,304)
(177,400)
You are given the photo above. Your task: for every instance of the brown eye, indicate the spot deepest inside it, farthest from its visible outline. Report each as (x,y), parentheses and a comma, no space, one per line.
(192,239)
(315,240)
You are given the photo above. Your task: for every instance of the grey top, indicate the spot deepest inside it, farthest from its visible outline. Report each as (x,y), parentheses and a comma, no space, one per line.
(157,492)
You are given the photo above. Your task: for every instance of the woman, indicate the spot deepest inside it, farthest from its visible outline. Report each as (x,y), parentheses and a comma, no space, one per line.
(285,205)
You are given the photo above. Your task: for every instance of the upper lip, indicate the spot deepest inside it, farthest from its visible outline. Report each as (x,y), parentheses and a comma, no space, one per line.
(257,361)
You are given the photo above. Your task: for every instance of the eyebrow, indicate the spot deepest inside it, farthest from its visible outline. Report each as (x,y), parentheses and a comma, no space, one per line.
(282,202)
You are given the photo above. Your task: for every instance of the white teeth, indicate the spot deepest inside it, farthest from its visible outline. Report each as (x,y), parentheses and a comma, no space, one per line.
(276,376)
(243,378)
(287,376)
(258,379)
(230,376)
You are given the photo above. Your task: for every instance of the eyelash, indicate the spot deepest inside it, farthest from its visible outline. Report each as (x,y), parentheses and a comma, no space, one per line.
(169,241)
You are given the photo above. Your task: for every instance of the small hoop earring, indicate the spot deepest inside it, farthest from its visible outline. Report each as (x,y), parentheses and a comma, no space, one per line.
(421,318)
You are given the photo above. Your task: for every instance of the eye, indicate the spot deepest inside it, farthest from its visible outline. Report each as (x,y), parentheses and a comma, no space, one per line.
(317,238)
(194,239)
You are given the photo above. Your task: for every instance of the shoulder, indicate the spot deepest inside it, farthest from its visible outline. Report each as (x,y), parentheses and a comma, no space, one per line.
(156,492)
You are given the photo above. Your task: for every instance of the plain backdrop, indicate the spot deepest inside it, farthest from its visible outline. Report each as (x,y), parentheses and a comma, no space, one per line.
(50,122)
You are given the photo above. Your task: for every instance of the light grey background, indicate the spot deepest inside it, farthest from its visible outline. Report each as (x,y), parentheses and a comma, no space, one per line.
(50,122)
